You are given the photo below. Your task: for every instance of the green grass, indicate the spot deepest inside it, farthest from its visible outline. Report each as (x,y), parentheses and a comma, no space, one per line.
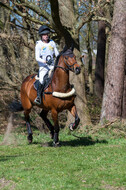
(85,163)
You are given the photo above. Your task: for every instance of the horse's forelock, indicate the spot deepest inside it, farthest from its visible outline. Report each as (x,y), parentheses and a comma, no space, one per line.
(68,52)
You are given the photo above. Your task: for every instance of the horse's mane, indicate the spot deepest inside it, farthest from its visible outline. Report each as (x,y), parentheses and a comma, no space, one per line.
(65,51)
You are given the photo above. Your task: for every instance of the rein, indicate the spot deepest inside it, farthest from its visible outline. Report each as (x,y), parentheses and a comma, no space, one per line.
(67,67)
(62,95)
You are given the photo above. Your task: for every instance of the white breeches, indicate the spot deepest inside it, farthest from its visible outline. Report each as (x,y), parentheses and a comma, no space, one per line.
(43,71)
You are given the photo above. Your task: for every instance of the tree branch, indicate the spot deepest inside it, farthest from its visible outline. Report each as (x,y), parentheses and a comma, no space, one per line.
(76,8)
(55,13)
(98,18)
(13,9)
(36,9)
(61,30)
(92,14)
(19,38)
(25,15)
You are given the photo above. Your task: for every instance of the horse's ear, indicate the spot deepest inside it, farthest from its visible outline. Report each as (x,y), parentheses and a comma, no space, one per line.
(72,47)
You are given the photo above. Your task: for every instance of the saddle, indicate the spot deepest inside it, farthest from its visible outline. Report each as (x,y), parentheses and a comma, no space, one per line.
(47,81)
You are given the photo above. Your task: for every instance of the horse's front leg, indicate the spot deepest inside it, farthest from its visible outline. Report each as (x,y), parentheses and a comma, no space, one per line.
(43,115)
(74,125)
(56,128)
(27,119)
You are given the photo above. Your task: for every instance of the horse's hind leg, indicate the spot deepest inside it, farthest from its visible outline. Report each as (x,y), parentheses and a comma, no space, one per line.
(74,125)
(43,115)
(27,109)
(27,119)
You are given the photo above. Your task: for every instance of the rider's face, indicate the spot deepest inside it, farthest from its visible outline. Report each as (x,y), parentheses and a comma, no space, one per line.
(45,37)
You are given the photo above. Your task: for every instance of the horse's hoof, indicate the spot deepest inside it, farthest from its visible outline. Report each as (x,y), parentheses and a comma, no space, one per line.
(30,138)
(29,141)
(71,127)
(56,144)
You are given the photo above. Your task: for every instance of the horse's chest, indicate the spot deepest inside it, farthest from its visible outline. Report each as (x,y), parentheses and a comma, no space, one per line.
(57,103)
(65,104)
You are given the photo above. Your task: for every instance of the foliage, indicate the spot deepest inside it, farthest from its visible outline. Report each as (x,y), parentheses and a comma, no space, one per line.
(94,106)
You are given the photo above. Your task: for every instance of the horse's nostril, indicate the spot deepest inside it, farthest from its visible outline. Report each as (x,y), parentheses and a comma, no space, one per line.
(77,70)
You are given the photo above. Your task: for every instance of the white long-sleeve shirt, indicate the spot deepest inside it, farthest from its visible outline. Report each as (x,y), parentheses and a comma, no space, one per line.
(42,50)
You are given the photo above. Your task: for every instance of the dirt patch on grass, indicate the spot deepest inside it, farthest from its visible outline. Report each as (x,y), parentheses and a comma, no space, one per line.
(9,136)
(110,187)
(6,183)
(6,96)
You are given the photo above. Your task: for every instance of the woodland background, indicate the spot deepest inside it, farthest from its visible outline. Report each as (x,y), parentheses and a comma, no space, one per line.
(94,26)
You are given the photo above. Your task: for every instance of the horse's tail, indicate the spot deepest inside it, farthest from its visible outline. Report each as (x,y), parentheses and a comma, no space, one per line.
(15,106)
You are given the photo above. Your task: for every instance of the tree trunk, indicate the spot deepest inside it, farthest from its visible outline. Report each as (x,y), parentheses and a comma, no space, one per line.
(89,58)
(66,18)
(114,83)
(100,60)
(124,97)
(81,102)
(67,11)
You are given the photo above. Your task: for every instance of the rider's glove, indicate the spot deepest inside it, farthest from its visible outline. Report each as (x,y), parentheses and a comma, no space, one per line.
(49,62)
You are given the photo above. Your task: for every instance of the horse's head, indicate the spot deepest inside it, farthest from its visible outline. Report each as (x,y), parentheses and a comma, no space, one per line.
(70,61)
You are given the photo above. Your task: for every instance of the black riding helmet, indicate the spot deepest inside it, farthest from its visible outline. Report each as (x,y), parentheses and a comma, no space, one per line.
(44,30)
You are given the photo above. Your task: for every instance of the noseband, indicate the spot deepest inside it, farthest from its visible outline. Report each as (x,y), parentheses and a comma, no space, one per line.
(69,66)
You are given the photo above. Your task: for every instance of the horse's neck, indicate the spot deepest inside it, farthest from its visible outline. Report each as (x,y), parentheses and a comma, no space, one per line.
(61,77)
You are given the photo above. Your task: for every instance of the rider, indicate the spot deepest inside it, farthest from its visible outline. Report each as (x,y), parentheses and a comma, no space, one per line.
(45,50)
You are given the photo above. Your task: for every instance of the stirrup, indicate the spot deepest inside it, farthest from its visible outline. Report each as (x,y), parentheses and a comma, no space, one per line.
(37,100)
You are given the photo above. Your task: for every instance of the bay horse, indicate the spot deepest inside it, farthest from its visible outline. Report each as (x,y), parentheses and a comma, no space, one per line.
(57,97)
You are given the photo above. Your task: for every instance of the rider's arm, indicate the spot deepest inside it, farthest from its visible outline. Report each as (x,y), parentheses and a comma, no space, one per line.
(37,54)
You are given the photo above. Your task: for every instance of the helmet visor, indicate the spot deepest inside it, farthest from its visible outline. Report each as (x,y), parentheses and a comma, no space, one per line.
(44,32)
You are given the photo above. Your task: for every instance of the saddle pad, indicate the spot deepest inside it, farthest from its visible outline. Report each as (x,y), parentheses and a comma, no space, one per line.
(47,81)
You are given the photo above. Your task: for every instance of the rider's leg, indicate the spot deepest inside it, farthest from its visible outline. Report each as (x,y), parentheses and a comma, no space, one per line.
(39,91)
(51,68)
(42,72)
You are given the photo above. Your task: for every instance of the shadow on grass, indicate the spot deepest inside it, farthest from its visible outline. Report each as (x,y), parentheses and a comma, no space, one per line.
(6,158)
(82,141)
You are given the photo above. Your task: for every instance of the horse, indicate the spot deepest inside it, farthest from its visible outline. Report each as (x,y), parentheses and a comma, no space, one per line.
(58,96)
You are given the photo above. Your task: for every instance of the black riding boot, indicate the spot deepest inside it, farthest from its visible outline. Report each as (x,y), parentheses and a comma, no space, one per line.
(39,91)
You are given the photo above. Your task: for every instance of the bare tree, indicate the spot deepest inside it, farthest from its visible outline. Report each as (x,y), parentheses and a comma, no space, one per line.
(102,48)
(124,96)
(69,10)
(114,82)
(100,60)
(89,51)
(65,18)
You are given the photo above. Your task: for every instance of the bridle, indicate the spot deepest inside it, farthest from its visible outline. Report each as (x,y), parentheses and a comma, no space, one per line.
(69,67)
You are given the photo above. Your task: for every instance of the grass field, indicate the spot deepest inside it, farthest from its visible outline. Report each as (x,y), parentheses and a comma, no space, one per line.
(81,163)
